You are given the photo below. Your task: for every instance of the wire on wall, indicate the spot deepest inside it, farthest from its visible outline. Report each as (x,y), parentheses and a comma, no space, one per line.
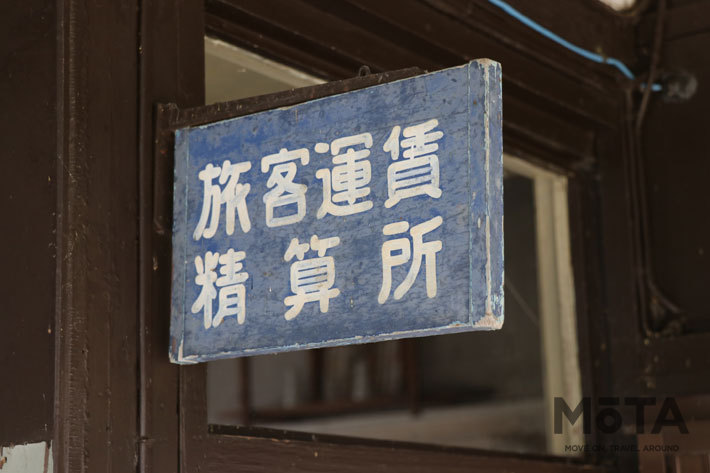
(655,306)
(592,56)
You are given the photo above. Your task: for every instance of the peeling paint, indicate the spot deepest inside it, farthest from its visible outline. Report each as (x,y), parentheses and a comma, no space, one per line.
(27,458)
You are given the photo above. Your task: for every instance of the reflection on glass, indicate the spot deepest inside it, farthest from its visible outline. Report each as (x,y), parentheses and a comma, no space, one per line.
(480,389)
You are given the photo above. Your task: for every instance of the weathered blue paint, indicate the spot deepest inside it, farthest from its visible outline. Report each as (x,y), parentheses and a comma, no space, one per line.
(466,101)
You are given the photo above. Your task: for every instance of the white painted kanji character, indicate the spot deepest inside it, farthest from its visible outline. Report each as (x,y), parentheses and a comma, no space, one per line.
(232,292)
(211,203)
(398,251)
(418,172)
(346,186)
(233,195)
(284,191)
(206,277)
(312,279)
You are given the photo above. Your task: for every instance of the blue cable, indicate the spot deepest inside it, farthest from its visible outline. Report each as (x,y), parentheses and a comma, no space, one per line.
(563,42)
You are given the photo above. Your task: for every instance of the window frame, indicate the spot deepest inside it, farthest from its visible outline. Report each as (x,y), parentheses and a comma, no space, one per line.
(535,134)
(116,61)
(225,449)
(556,289)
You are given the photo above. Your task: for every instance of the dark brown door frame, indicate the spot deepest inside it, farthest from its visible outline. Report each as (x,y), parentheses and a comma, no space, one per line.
(96,324)
(115,61)
(172,70)
(536,133)
(244,449)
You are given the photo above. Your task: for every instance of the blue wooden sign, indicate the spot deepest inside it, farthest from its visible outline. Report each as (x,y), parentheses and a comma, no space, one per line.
(371,215)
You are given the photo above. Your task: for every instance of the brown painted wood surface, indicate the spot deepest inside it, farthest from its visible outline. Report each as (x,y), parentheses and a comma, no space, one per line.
(97,406)
(82,78)
(171,70)
(28,200)
(329,454)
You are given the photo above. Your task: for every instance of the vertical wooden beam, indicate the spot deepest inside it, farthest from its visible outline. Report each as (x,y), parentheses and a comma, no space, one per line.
(171,55)
(96,408)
